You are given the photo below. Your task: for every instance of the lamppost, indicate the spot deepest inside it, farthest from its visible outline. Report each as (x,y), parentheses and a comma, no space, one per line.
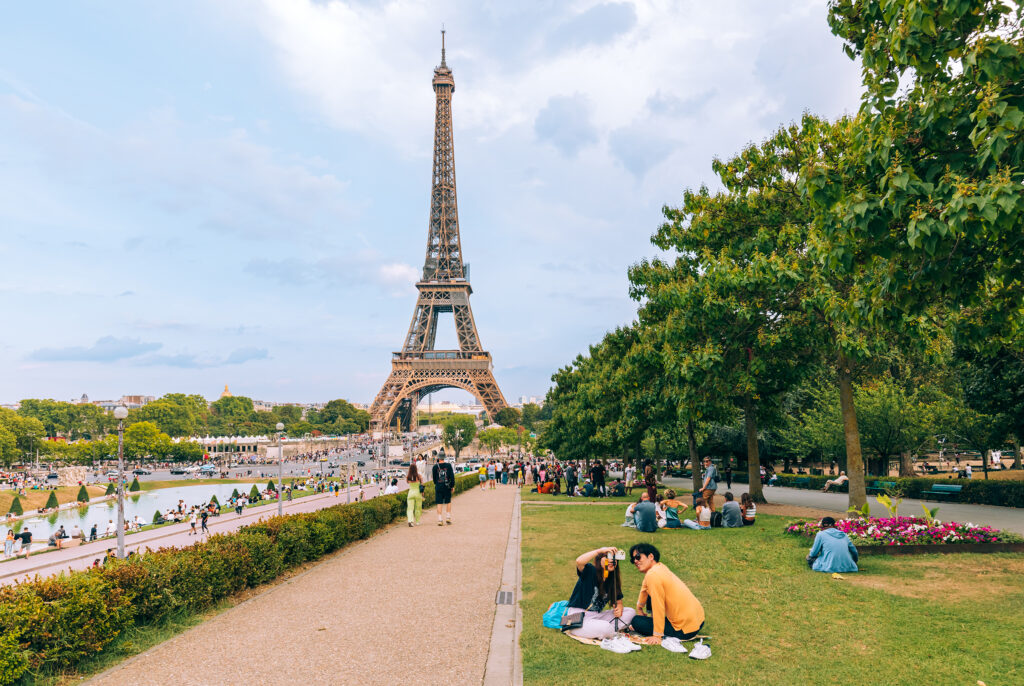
(120,414)
(280,471)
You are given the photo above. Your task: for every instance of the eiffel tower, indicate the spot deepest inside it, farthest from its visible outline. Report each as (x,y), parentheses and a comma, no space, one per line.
(420,369)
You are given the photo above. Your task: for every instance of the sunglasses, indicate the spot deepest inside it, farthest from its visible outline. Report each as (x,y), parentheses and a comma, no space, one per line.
(636,558)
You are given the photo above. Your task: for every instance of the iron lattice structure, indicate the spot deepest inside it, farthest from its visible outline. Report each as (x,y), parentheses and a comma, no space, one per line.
(419,369)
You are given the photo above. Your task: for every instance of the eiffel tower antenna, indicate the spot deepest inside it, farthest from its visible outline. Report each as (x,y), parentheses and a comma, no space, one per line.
(419,368)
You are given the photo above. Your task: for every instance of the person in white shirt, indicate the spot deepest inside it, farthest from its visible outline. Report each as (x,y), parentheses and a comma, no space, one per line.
(630,475)
(421,468)
(111,528)
(838,481)
(392,487)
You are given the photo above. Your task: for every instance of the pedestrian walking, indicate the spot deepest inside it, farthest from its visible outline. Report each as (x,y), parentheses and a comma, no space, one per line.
(443,476)
(728,476)
(710,484)
(192,523)
(490,474)
(414,501)
(204,517)
(650,481)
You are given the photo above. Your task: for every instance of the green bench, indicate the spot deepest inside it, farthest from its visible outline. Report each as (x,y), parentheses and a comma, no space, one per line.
(881,486)
(942,491)
(802,482)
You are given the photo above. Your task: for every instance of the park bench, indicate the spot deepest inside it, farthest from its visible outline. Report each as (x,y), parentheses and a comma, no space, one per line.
(940,491)
(881,486)
(802,482)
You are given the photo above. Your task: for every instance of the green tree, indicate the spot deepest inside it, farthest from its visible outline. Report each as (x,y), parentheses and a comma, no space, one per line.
(458,432)
(111,489)
(144,439)
(531,413)
(135,485)
(254,492)
(83,494)
(16,508)
(51,502)
(172,418)
(508,416)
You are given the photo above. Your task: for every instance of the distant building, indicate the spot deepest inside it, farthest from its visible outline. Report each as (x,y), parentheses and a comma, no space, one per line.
(530,399)
(226,393)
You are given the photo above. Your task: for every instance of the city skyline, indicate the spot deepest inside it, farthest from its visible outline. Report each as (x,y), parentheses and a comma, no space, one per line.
(252,210)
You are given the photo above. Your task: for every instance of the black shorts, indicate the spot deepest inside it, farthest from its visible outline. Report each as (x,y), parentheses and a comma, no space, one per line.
(442,495)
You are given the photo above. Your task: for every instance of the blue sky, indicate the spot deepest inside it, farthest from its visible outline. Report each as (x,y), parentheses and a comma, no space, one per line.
(195,193)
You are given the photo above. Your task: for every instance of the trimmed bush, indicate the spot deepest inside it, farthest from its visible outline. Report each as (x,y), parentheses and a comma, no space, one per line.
(977,491)
(16,509)
(254,494)
(158,517)
(271,486)
(111,489)
(215,501)
(51,502)
(83,494)
(53,623)
(235,493)
(135,485)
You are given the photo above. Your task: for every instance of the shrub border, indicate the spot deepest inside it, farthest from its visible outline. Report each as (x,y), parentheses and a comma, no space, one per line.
(943,548)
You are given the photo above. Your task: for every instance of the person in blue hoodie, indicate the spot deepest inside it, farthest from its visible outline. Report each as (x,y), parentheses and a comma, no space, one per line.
(833,551)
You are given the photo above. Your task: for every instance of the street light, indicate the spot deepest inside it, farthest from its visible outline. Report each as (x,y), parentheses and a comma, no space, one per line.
(280,471)
(120,414)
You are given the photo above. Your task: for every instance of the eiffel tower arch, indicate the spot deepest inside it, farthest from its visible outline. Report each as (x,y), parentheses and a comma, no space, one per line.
(419,368)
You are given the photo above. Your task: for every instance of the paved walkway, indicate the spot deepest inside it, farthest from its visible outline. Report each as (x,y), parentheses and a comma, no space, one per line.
(170,536)
(408,605)
(1008,518)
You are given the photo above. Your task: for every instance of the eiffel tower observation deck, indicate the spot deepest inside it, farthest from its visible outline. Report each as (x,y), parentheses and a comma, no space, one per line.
(419,368)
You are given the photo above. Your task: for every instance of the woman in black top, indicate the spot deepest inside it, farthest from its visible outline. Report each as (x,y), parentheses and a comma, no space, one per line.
(599,584)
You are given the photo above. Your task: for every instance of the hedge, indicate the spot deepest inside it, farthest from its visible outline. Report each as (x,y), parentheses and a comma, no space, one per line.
(54,623)
(1006,493)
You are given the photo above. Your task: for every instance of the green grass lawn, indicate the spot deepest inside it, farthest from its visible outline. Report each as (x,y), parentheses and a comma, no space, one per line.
(933,619)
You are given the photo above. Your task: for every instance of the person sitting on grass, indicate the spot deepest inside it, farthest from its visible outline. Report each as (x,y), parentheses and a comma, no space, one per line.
(703,516)
(598,584)
(630,515)
(672,509)
(833,551)
(838,481)
(732,513)
(617,489)
(675,611)
(549,487)
(645,514)
(749,509)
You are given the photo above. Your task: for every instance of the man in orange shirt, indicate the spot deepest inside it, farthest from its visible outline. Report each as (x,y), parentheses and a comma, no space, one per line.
(675,611)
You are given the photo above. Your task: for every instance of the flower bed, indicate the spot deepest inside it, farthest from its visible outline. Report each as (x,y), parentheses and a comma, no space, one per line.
(899,531)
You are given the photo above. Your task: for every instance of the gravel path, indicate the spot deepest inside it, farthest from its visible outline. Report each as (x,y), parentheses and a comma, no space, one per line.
(410,604)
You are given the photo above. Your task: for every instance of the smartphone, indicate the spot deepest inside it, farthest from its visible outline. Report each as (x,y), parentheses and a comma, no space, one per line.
(620,554)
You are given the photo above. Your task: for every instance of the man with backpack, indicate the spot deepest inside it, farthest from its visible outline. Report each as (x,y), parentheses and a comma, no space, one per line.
(443,477)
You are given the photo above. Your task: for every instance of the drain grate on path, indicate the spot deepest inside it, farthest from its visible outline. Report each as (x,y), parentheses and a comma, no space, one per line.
(504,598)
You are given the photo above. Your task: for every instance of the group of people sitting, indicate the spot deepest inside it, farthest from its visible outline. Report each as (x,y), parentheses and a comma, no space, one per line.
(664,512)
(665,606)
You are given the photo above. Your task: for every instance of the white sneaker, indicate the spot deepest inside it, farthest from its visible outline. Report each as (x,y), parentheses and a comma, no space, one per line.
(615,646)
(674,644)
(700,651)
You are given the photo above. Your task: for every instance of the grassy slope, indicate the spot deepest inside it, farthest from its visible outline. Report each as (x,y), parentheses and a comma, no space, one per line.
(36,499)
(930,619)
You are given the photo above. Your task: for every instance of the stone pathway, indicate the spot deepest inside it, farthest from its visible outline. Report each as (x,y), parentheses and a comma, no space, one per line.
(409,604)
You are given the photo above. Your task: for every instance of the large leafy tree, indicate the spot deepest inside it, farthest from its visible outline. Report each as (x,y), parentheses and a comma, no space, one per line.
(458,432)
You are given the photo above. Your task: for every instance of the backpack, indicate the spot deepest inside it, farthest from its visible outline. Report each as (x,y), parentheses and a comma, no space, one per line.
(716,519)
(553,616)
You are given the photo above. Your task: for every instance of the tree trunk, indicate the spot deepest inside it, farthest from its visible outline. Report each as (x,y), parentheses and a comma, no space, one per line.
(1016,453)
(753,455)
(984,461)
(657,458)
(854,459)
(906,464)
(694,457)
